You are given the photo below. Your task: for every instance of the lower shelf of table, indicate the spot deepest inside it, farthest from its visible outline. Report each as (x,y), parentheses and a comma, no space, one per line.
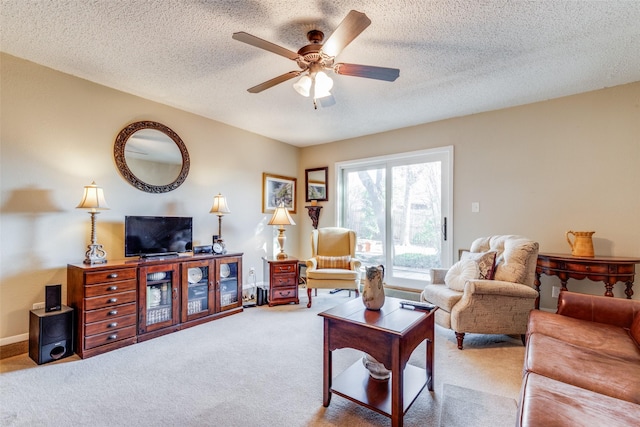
(356,384)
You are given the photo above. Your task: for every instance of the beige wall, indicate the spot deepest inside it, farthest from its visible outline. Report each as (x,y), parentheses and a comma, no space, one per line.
(538,170)
(57,135)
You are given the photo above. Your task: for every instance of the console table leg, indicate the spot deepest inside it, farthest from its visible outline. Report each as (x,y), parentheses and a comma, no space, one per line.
(609,289)
(629,291)
(327,365)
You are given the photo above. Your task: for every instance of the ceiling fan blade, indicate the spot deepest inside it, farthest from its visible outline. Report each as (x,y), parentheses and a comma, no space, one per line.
(274,81)
(263,44)
(351,26)
(368,71)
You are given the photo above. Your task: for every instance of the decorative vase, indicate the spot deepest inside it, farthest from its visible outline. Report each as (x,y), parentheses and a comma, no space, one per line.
(375,368)
(582,244)
(373,293)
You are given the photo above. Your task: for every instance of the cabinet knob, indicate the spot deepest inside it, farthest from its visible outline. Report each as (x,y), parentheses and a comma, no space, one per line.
(113,337)
(112,288)
(112,276)
(112,325)
(112,300)
(113,312)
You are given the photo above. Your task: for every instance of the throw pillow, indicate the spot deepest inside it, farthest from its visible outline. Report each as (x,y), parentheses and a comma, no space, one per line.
(486,262)
(342,262)
(460,272)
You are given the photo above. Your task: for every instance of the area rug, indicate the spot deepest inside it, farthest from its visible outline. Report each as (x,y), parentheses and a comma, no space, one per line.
(466,407)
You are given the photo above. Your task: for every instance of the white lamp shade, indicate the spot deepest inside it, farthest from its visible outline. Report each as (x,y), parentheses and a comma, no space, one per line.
(93,198)
(303,86)
(281,217)
(323,85)
(220,205)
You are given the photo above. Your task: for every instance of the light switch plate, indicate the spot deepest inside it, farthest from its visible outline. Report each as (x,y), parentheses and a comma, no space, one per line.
(475,207)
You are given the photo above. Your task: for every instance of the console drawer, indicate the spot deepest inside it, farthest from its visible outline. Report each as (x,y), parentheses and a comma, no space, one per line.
(109,288)
(111,325)
(109,337)
(109,300)
(109,313)
(110,276)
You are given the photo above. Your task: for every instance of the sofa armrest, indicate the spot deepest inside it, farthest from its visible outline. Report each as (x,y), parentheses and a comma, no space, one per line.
(355,264)
(437,275)
(612,311)
(499,287)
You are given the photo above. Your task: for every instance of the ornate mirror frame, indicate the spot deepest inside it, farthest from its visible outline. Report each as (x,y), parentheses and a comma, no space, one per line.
(310,181)
(127,174)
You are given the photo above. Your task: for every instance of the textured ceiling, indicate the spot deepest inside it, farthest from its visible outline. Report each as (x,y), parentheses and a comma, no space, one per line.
(455,57)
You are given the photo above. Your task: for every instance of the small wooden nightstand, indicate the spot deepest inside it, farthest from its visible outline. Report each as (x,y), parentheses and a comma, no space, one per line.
(283,281)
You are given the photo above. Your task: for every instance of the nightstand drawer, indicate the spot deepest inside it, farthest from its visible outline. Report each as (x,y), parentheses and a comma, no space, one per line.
(284,268)
(109,337)
(109,300)
(283,280)
(281,293)
(103,289)
(111,325)
(110,276)
(109,313)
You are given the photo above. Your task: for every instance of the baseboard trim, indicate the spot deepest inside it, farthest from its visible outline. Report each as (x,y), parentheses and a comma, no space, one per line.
(14,349)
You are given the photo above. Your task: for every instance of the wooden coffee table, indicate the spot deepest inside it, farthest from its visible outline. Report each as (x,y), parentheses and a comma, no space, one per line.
(390,336)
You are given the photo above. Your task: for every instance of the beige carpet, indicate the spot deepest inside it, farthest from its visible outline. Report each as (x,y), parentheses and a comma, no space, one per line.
(262,367)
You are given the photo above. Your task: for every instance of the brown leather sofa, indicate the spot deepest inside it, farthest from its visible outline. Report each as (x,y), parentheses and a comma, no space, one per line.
(582,364)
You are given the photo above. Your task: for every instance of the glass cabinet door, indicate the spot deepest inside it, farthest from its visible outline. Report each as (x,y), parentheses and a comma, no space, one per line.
(197,287)
(229,281)
(159,296)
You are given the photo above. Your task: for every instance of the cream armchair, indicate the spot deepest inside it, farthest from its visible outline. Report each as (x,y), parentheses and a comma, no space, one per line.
(333,262)
(470,302)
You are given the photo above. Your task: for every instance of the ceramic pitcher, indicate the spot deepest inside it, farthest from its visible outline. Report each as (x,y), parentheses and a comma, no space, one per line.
(582,244)
(373,294)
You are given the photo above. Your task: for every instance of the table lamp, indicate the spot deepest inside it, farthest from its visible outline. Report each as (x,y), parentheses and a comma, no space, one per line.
(93,200)
(281,217)
(220,208)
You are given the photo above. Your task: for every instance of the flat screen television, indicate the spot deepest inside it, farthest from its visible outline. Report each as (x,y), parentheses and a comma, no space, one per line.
(157,235)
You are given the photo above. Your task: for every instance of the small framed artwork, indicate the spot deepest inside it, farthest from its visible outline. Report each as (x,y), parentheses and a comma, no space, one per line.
(278,189)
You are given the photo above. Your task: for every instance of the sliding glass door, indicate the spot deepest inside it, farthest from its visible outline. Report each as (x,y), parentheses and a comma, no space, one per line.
(400,208)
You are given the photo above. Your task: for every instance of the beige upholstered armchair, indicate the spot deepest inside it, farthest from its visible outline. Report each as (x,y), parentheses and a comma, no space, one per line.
(478,296)
(333,262)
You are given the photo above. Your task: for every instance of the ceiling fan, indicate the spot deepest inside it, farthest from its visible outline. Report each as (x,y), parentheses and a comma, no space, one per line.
(316,57)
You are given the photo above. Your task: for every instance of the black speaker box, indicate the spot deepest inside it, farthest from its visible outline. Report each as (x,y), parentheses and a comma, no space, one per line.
(50,334)
(52,298)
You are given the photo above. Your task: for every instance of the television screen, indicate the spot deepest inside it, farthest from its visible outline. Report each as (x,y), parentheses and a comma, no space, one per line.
(155,235)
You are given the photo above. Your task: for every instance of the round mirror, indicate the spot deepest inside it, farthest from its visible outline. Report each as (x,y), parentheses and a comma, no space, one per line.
(151,157)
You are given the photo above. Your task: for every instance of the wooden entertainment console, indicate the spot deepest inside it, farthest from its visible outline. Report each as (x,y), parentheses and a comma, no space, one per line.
(123,302)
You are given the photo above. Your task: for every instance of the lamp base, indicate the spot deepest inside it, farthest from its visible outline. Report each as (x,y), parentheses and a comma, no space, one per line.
(282,255)
(95,255)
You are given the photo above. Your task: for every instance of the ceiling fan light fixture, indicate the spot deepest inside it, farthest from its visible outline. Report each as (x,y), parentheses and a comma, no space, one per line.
(303,86)
(323,85)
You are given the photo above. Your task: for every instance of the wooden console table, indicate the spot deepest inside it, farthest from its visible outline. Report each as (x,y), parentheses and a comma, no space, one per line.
(609,270)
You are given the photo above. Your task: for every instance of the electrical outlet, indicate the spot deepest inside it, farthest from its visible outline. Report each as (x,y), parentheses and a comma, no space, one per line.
(555,291)
(38,305)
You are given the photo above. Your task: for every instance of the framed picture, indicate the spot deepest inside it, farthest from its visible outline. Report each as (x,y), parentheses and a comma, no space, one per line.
(278,189)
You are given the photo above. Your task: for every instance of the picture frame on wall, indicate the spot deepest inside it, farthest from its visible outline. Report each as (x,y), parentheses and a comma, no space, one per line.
(278,189)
